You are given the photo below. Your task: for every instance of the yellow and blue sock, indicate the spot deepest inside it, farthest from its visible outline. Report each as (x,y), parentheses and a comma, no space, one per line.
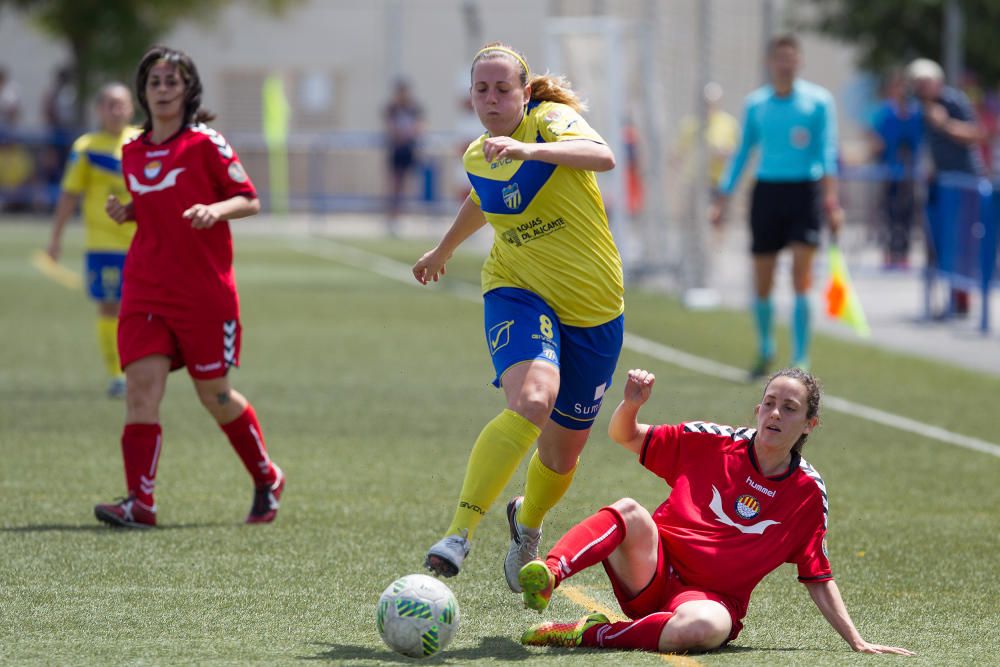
(542,491)
(498,451)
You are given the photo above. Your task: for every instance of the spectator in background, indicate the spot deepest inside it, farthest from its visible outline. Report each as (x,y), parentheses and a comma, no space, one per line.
(404,121)
(985,115)
(10,101)
(897,131)
(59,107)
(16,171)
(467,129)
(721,134)
(992,105)
(952,135)
(16,166)
(989,119)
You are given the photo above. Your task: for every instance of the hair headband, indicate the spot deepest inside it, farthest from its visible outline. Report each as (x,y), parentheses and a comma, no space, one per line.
(504,49)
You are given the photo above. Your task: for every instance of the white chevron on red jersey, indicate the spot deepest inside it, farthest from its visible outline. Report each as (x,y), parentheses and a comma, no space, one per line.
(725,525)
(173,269)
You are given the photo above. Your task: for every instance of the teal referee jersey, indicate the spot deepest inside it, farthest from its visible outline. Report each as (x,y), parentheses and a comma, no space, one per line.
(797,135)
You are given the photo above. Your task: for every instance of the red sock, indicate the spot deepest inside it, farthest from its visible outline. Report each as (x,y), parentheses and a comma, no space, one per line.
(141,452)
(247,438)
(643,634)
(587,543)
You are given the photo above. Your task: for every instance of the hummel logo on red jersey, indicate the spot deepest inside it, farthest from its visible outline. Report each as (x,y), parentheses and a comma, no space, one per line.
(721,516)
(169,181)
(759,487)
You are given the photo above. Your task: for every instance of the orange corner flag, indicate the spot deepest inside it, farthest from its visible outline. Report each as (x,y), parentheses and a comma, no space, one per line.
(842,301)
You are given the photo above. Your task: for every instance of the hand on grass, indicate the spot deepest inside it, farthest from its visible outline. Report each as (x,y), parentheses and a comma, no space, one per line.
(867,647)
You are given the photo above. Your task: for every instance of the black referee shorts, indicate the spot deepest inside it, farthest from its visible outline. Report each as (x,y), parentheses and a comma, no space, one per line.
(785,212)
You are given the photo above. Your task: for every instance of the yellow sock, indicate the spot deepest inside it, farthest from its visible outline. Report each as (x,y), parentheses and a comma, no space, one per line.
(542,490)
(107,339)
(498,451)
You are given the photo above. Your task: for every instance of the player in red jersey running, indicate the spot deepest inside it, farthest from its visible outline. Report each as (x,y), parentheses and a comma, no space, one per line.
(742,502)
(180,306)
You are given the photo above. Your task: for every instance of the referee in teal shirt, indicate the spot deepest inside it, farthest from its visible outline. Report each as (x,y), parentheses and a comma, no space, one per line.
(795,124)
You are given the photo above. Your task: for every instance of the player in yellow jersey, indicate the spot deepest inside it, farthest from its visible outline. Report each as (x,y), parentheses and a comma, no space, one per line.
(552,292)
(94,173)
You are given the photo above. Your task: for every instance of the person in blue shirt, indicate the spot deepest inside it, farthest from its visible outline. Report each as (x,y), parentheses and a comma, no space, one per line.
(952,133)
(794,124)
(897,129)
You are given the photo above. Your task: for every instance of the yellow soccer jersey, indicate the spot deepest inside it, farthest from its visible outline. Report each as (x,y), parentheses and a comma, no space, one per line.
(94,171)
(721,135)
(551,234)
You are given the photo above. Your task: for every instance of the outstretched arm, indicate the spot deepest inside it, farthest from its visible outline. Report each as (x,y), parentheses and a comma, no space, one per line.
(624,429)
(469,220)
(827,597)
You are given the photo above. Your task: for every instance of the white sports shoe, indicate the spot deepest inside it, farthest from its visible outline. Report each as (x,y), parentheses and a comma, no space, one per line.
(445,557)
(523,545)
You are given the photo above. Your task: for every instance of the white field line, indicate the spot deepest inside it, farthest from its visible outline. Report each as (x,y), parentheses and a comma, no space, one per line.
(399,271)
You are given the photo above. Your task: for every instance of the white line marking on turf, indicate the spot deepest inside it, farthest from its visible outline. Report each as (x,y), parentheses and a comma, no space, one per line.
(399,271)
(708,367)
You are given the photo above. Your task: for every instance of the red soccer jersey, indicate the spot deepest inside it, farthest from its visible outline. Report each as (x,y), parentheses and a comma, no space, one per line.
(725,525)
(172,269)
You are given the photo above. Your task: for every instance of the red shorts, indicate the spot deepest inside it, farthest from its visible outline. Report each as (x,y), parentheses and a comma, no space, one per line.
(208,348)
(666,592)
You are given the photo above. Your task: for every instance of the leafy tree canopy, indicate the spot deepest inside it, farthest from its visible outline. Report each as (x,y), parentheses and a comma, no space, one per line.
(890,33)
(107,37)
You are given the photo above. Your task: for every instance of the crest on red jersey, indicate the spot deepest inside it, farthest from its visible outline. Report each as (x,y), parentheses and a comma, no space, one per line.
(747,507)
(237,173)
(152,169)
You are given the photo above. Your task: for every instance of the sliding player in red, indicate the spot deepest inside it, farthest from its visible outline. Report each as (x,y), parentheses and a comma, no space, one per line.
(180,306)
(742,502)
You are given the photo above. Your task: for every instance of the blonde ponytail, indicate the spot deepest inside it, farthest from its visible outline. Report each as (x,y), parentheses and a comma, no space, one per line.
(555,88)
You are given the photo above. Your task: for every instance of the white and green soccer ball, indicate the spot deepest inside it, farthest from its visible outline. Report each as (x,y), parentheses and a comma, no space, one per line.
(417,616)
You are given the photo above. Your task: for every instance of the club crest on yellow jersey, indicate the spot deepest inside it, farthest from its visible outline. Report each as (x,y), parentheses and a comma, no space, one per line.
(512,196)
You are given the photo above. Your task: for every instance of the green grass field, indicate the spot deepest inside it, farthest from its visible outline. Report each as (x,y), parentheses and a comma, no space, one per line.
(370,392)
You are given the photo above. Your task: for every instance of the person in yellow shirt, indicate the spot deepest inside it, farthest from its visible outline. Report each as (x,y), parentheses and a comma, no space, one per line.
(93,173)
(552,293)
(721,137)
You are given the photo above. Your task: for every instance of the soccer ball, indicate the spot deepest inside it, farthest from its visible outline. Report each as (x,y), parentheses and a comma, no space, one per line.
(417,616)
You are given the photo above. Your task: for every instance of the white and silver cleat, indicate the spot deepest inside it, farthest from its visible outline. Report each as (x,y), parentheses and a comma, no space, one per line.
(523,545)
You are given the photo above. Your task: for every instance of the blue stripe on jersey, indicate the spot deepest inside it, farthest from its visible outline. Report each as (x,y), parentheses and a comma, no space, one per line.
(515,194)
(104,161)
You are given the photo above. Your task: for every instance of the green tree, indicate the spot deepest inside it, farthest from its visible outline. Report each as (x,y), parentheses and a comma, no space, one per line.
(888,33)
(107,37)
